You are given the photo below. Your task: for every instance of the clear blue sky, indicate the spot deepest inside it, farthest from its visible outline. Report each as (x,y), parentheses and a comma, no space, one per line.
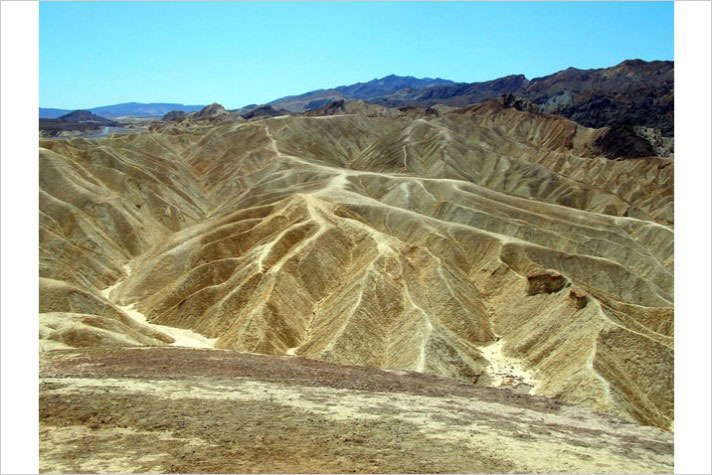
(237,53)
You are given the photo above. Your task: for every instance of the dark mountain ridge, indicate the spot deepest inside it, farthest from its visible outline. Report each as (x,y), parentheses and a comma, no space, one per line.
(633,92)
(376,87)
(363,91)
(459,94)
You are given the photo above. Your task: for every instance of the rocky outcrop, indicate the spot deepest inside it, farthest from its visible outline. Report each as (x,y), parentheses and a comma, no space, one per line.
(578,297)
(545,281)
(364,108)
(208,112)
(264,112)
(662,146)
(329,108)
(519,103)
(177,121)
(622,141)
(633,92)
(174,116)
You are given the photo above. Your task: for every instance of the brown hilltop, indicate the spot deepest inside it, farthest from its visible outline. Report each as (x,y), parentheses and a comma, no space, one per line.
(209,111)
(399,242)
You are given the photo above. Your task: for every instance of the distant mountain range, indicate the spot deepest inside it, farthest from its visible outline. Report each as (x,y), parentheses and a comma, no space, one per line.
(300,103)
(132,109)
(634,92)
(363,91)
(77,121)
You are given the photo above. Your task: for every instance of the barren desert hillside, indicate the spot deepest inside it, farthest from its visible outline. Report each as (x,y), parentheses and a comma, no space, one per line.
(488,244)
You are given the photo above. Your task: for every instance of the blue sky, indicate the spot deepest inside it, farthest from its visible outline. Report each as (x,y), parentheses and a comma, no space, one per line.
(237,53)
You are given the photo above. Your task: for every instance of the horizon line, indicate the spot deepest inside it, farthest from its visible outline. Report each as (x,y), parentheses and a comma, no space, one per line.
(359,82)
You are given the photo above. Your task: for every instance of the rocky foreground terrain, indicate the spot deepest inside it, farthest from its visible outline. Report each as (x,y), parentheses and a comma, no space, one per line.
(173,410)
(482,289)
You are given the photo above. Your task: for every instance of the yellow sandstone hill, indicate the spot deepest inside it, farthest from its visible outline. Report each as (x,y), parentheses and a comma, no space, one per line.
(486,244)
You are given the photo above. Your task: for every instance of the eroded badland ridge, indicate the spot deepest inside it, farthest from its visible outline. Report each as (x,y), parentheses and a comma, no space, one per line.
(491,245)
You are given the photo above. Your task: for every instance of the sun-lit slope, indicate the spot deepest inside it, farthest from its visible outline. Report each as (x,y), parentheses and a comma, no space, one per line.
(394,242)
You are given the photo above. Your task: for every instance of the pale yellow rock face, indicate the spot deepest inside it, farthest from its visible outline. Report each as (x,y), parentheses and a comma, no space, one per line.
(398,242)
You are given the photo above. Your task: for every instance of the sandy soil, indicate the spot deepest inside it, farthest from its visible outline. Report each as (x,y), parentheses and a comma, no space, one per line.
(506,371)
(183,337)
(174,410)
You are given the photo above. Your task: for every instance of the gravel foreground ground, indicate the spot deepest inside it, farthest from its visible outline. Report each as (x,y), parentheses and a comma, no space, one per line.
(174,410)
